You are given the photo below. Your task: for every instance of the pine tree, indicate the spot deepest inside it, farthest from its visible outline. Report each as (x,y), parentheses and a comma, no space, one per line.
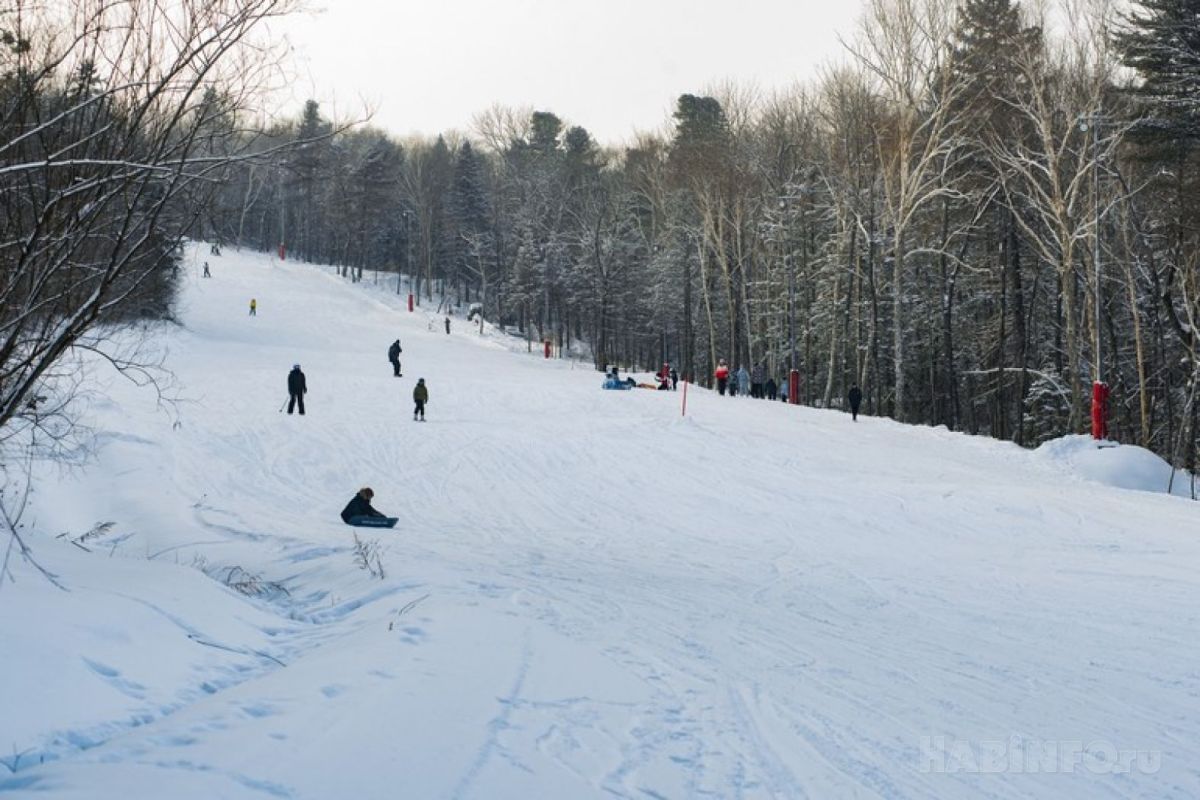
(1161,40)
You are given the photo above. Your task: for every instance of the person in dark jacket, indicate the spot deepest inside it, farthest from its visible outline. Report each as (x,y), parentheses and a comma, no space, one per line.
(771,388)
(297,388)
(420,398)
(674,379)
(394,356)
(758,376)
(359,507)
(447,326)
(855,398)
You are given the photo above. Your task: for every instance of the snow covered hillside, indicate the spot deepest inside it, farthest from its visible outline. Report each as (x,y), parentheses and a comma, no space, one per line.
(587,595)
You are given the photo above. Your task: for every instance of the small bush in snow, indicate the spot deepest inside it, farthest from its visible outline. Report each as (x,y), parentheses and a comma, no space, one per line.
(366,556)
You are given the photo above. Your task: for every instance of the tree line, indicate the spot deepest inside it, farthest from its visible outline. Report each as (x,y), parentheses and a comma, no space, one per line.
(984,211)
(973,220)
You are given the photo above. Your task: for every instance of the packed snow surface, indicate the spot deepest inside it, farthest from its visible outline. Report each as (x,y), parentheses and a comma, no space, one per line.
(587,595)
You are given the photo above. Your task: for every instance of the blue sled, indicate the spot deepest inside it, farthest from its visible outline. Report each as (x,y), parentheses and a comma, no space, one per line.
(373,522)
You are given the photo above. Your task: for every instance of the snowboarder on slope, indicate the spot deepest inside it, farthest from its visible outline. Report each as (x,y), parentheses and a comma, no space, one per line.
(394,356)
(722,376)
(855,398)
(297,388)
(420,398)
(359,507)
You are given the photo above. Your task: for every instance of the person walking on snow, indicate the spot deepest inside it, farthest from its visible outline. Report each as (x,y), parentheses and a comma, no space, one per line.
(420,398)
(297,388)
(394,356)
(743,379)
(722,376)
(253,307)
(207,274)
(359,507)
(447,326)
(855,398)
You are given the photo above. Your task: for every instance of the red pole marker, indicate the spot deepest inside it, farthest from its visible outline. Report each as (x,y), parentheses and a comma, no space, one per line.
(1099,410)
(282,251)
(546,348)
(794,387)
(683,413)
(410,301)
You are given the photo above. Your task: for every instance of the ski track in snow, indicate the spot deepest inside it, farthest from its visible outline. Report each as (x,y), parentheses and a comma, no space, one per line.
(586,595)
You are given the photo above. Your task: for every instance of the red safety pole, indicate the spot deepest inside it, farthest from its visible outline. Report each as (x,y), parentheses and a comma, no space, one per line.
(282,251)
(683,413)
(1099,410)
(410,301)
(794,387)
(546,348)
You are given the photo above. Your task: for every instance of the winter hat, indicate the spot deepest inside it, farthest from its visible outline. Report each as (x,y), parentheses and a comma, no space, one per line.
(366,492)
(420,380)
(295,366)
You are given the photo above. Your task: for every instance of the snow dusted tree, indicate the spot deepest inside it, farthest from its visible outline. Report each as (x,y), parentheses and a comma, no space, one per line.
(109,114)
(902,45)
(1049,175)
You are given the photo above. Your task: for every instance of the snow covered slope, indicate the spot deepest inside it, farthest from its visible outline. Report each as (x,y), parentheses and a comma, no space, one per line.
(586,596)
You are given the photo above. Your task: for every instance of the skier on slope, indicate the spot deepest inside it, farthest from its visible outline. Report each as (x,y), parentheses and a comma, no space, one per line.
(394,356)
(297,388)
(722,376)
(420,398)
(359,507)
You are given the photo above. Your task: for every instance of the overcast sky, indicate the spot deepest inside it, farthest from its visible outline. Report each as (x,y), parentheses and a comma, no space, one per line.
(613,66)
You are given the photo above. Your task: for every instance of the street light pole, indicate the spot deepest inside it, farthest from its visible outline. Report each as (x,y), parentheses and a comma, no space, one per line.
(1099,387)
(1096,237)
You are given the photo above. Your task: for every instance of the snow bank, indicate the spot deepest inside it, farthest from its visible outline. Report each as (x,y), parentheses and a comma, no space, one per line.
(1123,466)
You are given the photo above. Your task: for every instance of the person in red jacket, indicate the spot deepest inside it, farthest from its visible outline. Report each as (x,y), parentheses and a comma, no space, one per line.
(722,376)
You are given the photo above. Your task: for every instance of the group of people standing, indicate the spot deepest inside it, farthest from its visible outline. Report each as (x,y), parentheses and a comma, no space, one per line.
(754,383)
(757,384)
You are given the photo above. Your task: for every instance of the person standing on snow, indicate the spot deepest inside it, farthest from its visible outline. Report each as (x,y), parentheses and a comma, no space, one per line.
(394,356)
(420,398)
(855,398)
(207,274)
(743,379)
(722,376)
(447,326)
(758,376)
(674,379)
(253,307)
(297,388)
(771,388)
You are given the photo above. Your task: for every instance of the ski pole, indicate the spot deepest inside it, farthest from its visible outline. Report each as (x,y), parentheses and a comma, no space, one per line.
(285,402)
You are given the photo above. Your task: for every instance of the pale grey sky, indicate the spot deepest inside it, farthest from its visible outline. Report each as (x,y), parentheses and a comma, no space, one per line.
(613,66)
